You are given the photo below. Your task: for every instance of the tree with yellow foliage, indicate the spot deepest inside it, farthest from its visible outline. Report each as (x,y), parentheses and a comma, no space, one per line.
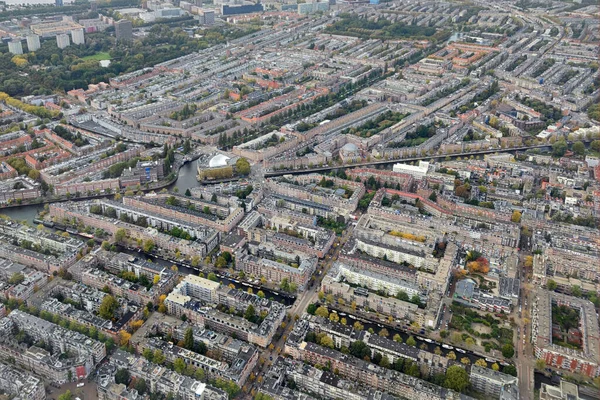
(124,337)
(528,261)
(156,279)
(516,216)
(137,324)
(481,363)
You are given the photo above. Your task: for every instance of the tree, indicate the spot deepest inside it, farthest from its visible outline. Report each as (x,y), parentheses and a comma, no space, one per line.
(200,375)
(321,295)
(334,317)
(326,341)
(147,354)
(508,350)
(551,285)
(188,193)
(481,363)
(358,326)
(559,148)
(516,216)
(495,367)
(359,349)
(451,355)
(148,245)
(411,341)
(212,277)
(384,362)
(322,312)
(510,370)
(158,357)
(465,361)
(140,385)
(384,333)
(540,364)
(188,339)
(250,313)
(108,307)
(221,262)
(156,279)
(120,234)
(179,365)
(66,396)
(397,338)
(122,376)
(124,337)
(457,379)
(578,148)
(16,278)
(242,166)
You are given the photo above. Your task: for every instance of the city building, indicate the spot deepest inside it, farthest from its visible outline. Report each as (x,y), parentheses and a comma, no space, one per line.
(63,41)
(566,391)
(20,384)
(490,382)
(15,47)
(77,36)
(33,43)
(123,30)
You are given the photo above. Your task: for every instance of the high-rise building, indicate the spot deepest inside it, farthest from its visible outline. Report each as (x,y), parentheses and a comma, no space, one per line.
(77,36)
(33,43)
(15,47)
(63,41)
(207,17)
(123,30)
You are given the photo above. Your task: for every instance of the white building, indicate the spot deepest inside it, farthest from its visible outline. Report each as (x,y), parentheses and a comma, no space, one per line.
(63,41)
(77,36)
(417,171)
(33,42)
(15,47)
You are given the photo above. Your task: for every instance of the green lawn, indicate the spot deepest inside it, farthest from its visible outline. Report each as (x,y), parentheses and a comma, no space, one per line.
(98,56)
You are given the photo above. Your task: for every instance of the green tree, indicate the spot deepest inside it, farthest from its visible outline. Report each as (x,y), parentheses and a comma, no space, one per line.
(179,365)
(559,148)
(212,277)
(66,396)
(159,357)
(551,285)
(16,278)
(457,379)
(188,339)
(148,354)
(411,341)
(579,148)
(148,245)
(108,307)
(508,350)
(250,313)
(120,234)
(242,166)
(122,376)
(140,385)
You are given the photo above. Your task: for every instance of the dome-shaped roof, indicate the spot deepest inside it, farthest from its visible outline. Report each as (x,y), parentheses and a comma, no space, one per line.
(220,160)
(349,148)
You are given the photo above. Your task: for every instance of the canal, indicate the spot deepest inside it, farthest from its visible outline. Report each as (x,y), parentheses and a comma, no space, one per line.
(222,275)
(425,344)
